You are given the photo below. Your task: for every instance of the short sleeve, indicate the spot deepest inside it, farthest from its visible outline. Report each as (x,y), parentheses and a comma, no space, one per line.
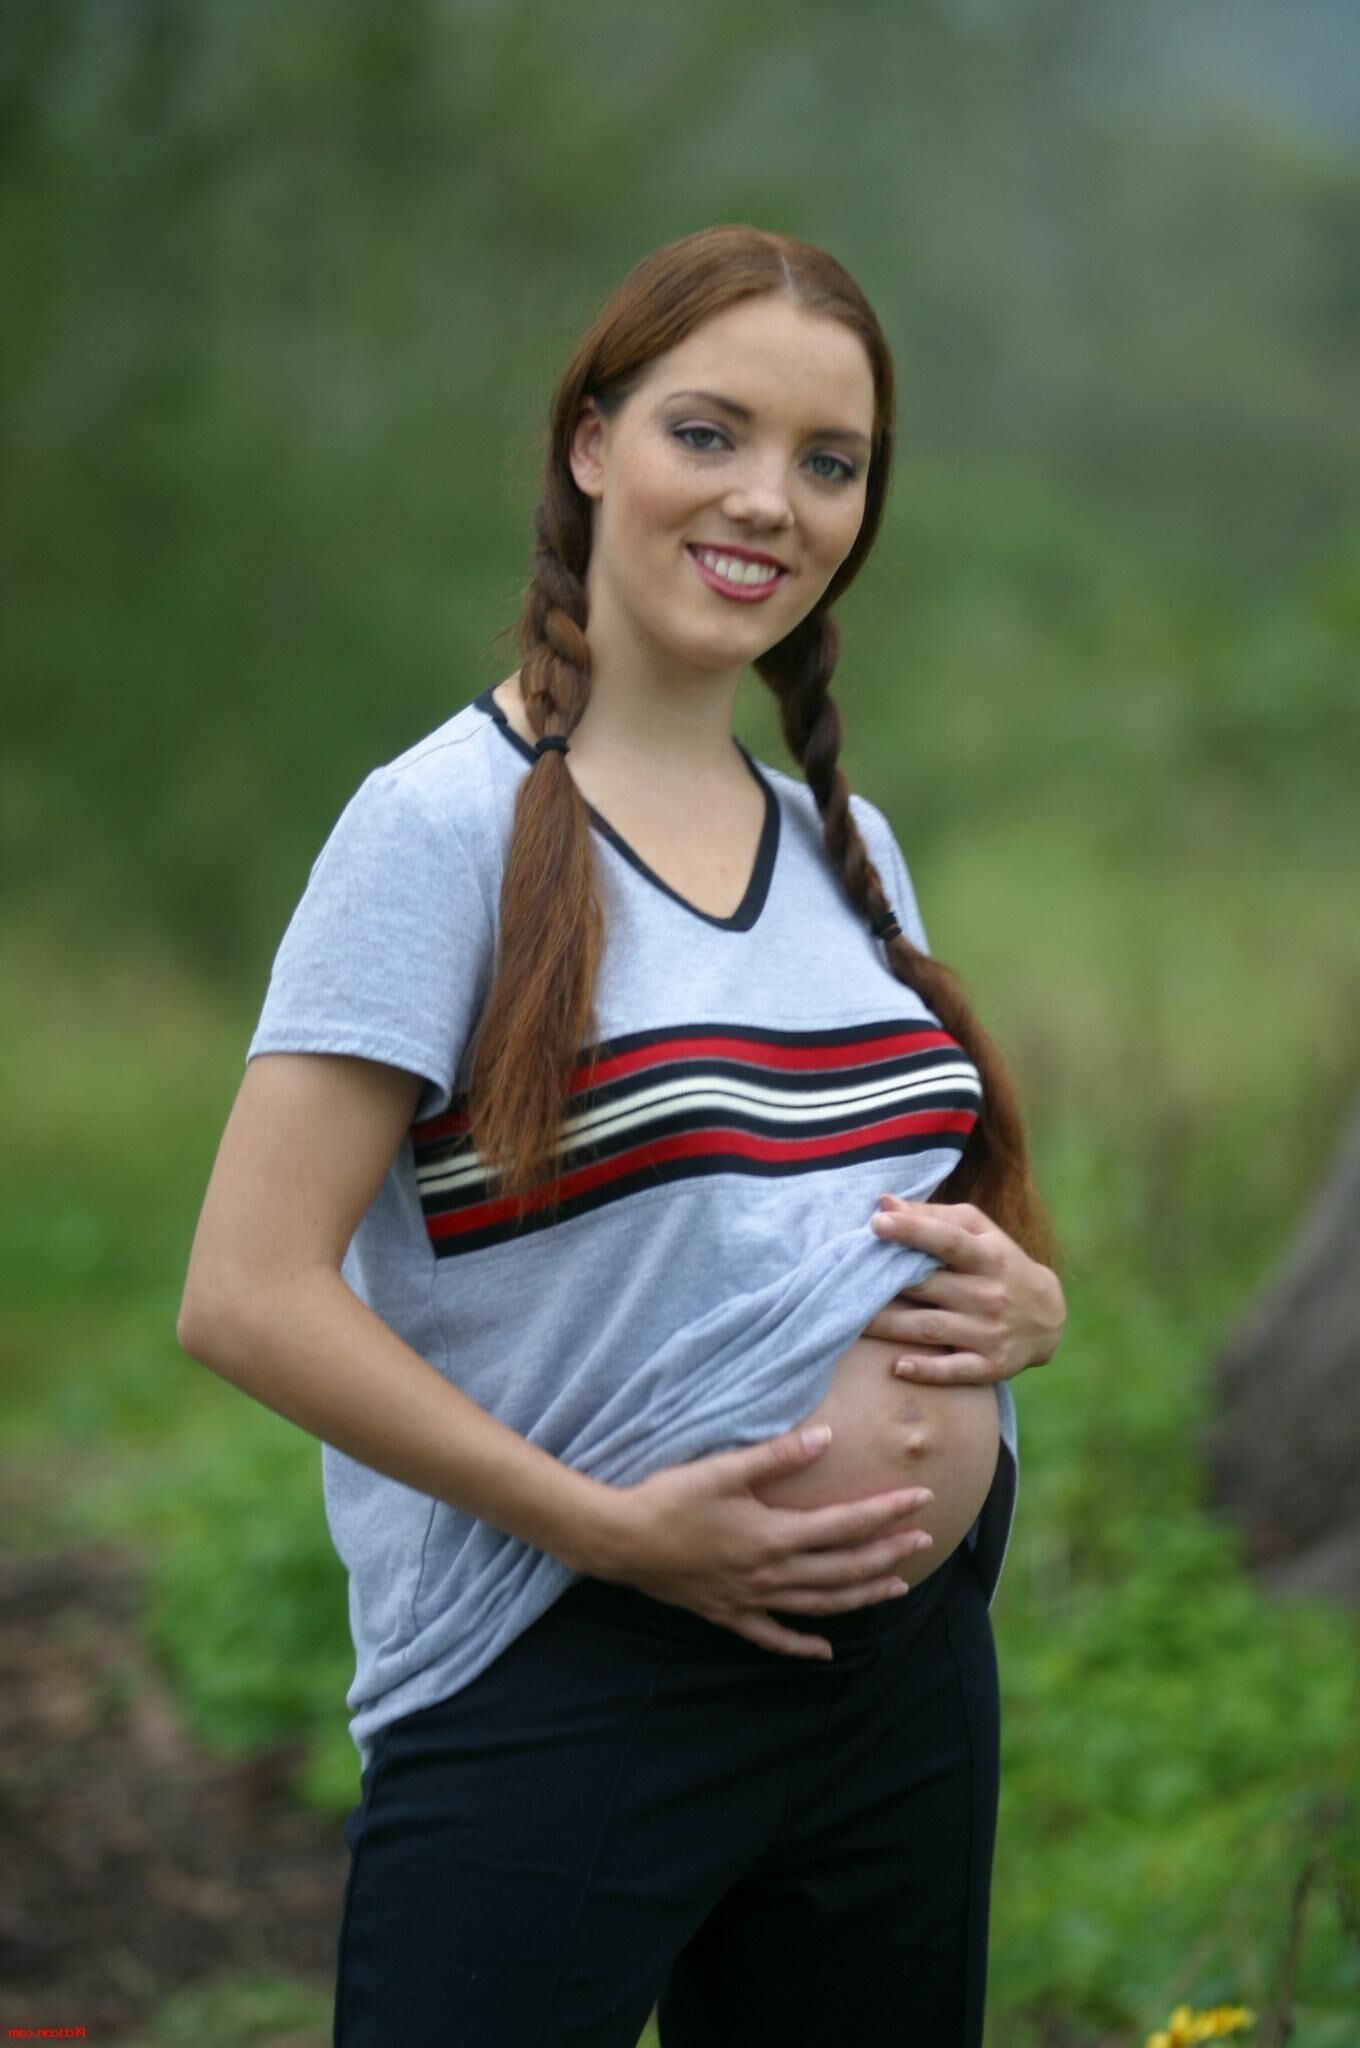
(890,861)
(388,952)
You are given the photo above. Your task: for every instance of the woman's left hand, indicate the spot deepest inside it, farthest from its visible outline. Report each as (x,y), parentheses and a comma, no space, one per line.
(984,1314)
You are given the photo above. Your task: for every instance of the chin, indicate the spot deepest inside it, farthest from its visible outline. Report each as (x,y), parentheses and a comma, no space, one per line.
(740,638)
(720,660)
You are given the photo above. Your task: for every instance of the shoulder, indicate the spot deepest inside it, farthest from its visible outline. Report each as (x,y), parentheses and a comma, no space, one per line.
(873,824)
(800,807)
(880,840)
(425,820)
(440,790)
(447,770)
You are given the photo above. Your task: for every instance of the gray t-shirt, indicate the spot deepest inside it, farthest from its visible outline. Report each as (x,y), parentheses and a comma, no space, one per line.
(754,1083)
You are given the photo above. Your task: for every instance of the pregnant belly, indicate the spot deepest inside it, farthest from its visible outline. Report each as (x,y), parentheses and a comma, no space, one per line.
(889,1433)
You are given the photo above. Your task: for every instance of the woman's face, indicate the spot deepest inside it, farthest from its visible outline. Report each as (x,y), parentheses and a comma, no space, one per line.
(777,472)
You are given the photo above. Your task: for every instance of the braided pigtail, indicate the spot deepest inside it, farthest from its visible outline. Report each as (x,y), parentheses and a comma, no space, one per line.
(993,1171)
(538,1022)
(551,926)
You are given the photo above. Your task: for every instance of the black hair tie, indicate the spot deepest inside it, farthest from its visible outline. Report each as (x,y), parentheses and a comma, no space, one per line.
(885,926)
(551,739)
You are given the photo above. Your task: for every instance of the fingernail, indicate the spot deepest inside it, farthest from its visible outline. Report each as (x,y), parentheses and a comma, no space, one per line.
(897,1589)
(815,1438)
(879,1220)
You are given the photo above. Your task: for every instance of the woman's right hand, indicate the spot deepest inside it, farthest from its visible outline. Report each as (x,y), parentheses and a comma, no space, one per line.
(697,1536)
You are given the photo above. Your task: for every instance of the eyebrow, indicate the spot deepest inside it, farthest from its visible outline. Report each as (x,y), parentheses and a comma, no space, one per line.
(743,412)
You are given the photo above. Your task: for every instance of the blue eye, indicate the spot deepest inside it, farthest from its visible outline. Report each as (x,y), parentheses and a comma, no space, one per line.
(844,471)
(681,431)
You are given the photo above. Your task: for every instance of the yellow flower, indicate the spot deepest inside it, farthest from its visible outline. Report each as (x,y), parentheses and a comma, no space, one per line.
(1223,2019)
(1186,2026)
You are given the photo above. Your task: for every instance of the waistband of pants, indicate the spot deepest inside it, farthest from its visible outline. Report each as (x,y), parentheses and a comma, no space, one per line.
(619,1605)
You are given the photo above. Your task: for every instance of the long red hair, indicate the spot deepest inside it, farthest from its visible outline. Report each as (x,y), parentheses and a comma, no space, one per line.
(538,1018)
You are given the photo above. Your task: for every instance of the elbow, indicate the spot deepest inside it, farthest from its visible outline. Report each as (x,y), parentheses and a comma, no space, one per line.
(196,1327)
(231,1312)
(190,1327)
(209,1324)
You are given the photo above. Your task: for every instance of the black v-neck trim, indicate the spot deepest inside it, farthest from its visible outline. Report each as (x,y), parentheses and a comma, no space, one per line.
(762,872)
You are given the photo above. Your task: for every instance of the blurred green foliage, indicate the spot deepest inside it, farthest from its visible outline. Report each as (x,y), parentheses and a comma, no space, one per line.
(295,287)
(294,293)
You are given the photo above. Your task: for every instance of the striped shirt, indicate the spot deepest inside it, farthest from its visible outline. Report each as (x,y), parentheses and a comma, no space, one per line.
(750,1085)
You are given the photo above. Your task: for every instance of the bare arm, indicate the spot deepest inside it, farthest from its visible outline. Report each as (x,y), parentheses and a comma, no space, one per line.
(305,1149)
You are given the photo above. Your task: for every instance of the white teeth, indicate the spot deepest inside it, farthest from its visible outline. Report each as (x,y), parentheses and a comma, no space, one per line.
(736,571)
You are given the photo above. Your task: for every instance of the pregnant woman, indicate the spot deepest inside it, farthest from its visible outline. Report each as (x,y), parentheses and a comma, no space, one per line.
(577,1197)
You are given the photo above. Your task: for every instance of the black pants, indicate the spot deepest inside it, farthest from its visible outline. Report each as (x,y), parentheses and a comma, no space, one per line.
(632,1807)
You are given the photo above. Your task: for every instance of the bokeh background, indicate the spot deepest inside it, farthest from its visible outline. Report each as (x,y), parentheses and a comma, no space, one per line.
(286,292)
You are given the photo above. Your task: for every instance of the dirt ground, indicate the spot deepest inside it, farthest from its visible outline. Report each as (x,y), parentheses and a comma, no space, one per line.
(132,1862)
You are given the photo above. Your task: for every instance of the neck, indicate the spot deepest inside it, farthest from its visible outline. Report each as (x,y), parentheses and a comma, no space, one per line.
(677,728)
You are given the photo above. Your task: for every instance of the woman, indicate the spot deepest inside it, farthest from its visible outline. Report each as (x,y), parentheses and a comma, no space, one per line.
(546,1204)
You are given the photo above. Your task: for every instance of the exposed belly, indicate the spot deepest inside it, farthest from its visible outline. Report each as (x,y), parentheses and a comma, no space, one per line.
(889,1433)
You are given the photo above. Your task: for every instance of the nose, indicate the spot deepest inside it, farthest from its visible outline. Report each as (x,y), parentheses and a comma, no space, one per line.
(761,498)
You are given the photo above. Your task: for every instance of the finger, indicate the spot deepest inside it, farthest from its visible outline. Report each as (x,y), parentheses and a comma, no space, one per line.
(795,1601)
(759,1463)
(943,1289)
(939,1238)
(936,1232)
(956,1369)
(899,1322)
(963,1213)
(888,1324)
(810,1594)
(824,1573)
(846,1523)
(939,1329)
(766,1631)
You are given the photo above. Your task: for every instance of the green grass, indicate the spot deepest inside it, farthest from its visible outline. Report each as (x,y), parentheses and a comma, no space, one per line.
(240,2012)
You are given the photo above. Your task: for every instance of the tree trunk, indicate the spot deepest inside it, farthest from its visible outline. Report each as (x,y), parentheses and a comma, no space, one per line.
(1284,1455)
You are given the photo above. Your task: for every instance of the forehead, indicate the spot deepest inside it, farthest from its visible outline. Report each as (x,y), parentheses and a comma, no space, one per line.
(775,357)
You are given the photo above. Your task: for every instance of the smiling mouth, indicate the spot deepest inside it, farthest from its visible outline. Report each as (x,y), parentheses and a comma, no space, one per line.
(735,577)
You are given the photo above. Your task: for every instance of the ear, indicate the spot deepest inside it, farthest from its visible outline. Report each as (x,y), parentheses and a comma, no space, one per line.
(587,450)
